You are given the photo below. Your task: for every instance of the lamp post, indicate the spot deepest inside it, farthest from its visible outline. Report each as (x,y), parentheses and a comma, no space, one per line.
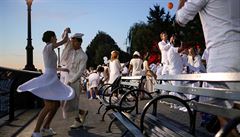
(29,47)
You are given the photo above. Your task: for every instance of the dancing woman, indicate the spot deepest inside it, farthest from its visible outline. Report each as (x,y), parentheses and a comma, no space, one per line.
(47,86)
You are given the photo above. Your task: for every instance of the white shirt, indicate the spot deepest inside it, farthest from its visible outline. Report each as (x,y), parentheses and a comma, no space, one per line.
(136,66)
(75,61)
(159,70)
(197,63)
(175,61)
(220,19)
(94,80)
(164,47)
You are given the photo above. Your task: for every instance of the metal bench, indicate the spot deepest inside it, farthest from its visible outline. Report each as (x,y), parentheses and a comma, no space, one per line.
(154,124)
(112,94)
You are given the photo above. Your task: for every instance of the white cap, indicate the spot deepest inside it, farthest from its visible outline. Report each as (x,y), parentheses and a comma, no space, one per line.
(77,35)
(136,53)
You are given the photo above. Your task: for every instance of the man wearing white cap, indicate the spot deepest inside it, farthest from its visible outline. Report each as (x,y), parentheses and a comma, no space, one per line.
(76,61)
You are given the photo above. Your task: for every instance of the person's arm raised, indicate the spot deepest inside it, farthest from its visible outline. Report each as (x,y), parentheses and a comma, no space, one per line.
(65,38)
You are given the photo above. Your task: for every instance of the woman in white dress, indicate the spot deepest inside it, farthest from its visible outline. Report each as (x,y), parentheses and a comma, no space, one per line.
(114,67)
(150,76)
(48,86)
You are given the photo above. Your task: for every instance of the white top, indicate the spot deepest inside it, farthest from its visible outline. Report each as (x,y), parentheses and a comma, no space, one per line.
(94,80)
(125,70)
(197,63)
(164,47)
(75,61)
(159,70)
(114,70)
(220,19)
(136,66)
(175,61)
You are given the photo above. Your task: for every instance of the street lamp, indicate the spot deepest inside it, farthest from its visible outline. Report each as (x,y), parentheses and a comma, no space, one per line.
(29,48)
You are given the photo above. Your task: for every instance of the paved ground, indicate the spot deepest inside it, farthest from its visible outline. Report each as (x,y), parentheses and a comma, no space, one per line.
(97,128)
(22,118)
(94,126)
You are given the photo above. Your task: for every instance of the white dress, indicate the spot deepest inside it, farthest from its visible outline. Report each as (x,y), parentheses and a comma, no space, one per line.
(48,86)
(114,70)
(136,66)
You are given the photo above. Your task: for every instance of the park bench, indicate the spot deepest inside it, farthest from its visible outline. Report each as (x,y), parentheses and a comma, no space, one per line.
(154,124)
(112,93)
(126,118)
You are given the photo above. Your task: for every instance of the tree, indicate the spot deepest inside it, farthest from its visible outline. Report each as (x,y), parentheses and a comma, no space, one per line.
(145,36)
(101,46)
(140,38)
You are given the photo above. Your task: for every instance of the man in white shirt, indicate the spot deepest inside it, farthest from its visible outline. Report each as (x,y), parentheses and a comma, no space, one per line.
(164,46)
(76,64)
(221,27)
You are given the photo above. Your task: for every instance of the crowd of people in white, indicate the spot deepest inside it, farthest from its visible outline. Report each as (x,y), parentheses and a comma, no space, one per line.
(174,60)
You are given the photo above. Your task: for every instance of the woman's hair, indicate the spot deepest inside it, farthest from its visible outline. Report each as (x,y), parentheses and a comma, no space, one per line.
(163,33)
(114,55)
(47,36)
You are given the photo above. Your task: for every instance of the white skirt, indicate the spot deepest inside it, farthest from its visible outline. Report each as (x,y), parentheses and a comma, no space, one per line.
(48,86)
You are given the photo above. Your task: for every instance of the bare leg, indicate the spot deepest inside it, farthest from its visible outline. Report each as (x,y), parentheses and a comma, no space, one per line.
(91,93)
(54,107)
(63,106)
(42,116)
(96,90)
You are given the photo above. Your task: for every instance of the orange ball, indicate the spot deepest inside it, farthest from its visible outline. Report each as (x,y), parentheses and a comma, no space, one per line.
(170,5)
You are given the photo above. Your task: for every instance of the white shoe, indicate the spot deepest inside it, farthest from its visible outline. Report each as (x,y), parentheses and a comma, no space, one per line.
(36,134)
(48,132)
(76,124)
(184,109)
(238,128)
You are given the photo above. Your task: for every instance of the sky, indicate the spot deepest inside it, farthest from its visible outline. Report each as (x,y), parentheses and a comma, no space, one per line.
(115,17)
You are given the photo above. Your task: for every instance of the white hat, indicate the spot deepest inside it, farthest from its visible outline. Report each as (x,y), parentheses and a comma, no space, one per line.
(77,35)
(136,53)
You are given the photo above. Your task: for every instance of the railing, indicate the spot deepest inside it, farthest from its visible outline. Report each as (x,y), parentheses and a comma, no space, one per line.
(10,100)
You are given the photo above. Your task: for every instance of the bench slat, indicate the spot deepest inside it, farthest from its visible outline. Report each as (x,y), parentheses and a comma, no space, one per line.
(214,92)
(224,77)
(128,124)
(162,125)
(215,110)
(134,84)
(131,77)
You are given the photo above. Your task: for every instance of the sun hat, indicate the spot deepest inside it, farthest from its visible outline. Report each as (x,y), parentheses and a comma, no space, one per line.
(136,53)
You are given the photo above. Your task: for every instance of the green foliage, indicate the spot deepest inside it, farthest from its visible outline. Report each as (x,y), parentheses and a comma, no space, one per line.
(101,46)
(140,37)
(143,36)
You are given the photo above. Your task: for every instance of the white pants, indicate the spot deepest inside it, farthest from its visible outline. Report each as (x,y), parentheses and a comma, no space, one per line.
(74,104)
(225,58)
